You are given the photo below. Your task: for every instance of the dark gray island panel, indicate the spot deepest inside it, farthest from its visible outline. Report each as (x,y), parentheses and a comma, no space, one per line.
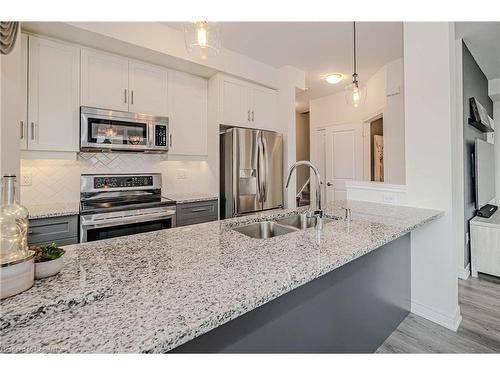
(352,309)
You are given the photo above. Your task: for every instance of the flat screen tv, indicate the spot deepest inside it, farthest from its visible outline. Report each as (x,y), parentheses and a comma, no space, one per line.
(484,160)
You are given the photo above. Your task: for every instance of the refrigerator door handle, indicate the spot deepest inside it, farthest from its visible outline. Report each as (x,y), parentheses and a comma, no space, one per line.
(264,167)
(260,166)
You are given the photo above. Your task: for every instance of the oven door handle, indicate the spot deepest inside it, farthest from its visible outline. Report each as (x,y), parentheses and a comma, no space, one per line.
(89,223)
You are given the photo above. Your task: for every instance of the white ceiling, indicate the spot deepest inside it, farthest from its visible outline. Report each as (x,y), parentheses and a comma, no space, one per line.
(483,41)
(317,48)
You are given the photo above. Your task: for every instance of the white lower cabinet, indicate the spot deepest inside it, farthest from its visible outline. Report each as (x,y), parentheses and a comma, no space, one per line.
(187,114)
(53,95)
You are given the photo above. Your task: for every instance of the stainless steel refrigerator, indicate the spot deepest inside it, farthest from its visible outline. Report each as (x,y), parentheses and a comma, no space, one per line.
(251,171)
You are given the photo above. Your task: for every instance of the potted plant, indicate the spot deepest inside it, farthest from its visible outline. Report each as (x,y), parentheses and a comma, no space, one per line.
(48,260)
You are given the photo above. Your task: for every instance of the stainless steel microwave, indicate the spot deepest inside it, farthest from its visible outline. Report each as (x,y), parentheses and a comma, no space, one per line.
(105,130)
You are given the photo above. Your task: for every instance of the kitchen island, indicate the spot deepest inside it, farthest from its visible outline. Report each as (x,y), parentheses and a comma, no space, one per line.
(208,288)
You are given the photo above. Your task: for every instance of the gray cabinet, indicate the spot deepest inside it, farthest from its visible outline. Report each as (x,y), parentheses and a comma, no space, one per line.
(196,212)
(63,230)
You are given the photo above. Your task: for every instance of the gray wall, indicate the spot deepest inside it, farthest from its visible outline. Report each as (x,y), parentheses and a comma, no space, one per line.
(475,84)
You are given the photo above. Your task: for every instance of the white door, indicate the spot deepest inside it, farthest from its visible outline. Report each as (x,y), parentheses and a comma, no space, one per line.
(188,114)
(263,109)
(23,125)
(53,102)
(148,89)
(104,81)
(235,106)
(344,158)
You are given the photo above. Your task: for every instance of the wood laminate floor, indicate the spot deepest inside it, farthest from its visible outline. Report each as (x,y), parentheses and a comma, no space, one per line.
(479,332)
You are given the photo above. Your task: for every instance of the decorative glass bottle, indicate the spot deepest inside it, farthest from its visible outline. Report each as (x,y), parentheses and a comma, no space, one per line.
(13,224)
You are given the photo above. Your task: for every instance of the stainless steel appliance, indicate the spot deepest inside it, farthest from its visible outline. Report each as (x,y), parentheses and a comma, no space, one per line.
(121,204)
(103,130)
(251,171)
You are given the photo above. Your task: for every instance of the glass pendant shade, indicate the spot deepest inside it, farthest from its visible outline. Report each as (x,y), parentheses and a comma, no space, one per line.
(202,39)
(13,224)
(355,95)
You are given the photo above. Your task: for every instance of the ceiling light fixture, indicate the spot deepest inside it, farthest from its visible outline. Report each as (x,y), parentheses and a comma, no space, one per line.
(355,94)
(202,39)
(334,78)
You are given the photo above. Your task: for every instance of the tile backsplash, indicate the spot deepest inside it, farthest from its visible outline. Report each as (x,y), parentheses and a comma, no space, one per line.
(58,181)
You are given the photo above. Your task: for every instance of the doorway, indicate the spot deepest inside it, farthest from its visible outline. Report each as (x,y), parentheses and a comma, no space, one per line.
(303,193)
(376,152)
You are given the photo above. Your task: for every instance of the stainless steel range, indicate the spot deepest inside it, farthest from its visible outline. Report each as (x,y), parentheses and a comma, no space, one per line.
(115,205)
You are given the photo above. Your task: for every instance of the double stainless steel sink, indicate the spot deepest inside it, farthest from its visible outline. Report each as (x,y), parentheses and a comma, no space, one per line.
(289,224)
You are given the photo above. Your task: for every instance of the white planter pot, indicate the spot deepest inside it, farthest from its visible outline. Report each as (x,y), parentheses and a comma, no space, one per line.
(48,268)
(16,277)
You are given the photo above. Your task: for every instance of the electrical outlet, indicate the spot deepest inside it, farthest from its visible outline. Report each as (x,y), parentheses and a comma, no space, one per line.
(182,174)
(26,179)
(389,198)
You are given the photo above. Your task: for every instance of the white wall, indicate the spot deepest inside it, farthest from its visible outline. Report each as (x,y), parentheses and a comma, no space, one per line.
(430,84)
(494,94)
(385,94)
(10,110)
(458,166)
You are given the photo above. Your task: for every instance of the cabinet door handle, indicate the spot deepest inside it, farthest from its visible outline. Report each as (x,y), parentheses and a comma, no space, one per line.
(22,129)
(248,116)
(170,137)
(200,209)
(125,96)
(32,131)
(252,114)
(329,184)
(131,96)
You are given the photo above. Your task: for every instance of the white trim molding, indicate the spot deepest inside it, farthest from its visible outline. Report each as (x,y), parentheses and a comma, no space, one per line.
(450,322)
(377,186)
(464,273)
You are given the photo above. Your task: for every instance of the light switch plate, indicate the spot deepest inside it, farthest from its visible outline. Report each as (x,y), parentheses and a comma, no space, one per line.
(26,179)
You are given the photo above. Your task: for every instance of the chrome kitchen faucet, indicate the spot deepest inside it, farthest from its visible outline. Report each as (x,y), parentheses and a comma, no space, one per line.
(318,212)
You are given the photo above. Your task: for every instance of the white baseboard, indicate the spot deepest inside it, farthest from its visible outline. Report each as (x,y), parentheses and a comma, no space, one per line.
(464,273)
(450,322)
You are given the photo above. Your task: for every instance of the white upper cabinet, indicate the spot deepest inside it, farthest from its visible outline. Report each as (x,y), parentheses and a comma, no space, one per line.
(247,105)
(23,125)
(148,86)
(187,114)
(264,104)
(53,95)
(235,102)
(105,81)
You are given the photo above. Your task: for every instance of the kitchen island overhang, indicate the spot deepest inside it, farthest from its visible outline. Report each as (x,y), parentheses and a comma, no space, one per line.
(154,292)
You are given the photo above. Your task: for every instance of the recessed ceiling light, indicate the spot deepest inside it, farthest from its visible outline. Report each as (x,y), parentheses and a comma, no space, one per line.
(334,78)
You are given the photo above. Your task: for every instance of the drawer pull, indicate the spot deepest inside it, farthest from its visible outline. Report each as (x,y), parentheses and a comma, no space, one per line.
(200,209)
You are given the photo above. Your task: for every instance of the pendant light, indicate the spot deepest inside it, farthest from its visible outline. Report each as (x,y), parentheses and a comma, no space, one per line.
(202,39)
(355,94)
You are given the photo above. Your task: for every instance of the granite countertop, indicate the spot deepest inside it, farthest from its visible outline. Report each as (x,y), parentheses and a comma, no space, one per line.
(154,291)
(191,197)
(41,211)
